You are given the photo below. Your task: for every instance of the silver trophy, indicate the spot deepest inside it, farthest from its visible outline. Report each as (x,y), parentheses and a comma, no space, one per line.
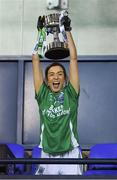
(54,41)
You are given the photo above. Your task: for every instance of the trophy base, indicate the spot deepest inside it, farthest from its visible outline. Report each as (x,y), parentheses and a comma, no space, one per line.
(57,50)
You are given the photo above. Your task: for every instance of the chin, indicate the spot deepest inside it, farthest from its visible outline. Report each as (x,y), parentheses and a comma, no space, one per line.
(56,90)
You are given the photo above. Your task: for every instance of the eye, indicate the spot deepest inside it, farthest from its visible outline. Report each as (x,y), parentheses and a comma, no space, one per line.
(51,75)
(60,74)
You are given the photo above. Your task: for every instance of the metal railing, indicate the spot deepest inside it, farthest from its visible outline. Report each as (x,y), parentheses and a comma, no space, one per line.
(59,161)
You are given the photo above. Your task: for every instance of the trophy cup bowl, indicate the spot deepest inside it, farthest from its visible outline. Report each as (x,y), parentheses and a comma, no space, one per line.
(56,49)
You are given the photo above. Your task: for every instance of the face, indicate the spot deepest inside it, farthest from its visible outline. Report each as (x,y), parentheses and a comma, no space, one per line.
(56,78)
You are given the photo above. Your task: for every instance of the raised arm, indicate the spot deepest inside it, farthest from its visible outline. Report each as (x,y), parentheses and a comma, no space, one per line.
(37,72)
(37,69)
(73,67)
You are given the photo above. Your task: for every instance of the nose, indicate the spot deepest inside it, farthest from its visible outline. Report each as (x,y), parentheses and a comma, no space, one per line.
(55,76)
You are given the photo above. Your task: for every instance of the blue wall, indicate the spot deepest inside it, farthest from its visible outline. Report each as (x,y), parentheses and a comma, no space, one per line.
(19,118)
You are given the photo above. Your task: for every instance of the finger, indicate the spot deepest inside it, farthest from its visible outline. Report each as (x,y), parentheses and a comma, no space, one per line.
(39,18)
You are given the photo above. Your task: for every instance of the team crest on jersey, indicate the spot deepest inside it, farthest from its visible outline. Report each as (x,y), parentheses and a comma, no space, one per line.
(57,99)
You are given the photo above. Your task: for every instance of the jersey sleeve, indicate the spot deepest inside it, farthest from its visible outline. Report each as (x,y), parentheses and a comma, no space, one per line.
(72,91)
(41,93)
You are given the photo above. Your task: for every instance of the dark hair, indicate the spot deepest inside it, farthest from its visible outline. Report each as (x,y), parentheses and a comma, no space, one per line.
(55,64)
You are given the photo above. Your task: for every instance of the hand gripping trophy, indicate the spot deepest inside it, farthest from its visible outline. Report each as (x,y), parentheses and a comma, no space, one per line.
(52,40)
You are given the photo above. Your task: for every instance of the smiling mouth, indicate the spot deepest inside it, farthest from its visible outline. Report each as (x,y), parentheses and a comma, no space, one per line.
(56,85)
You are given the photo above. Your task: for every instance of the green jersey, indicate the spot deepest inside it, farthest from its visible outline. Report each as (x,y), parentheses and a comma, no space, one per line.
(58,119)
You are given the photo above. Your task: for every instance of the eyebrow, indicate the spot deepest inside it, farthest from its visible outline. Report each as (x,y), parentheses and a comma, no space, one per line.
(54,72)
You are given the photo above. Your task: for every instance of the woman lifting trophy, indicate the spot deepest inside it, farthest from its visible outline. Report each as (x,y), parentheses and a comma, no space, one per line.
(57,95)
